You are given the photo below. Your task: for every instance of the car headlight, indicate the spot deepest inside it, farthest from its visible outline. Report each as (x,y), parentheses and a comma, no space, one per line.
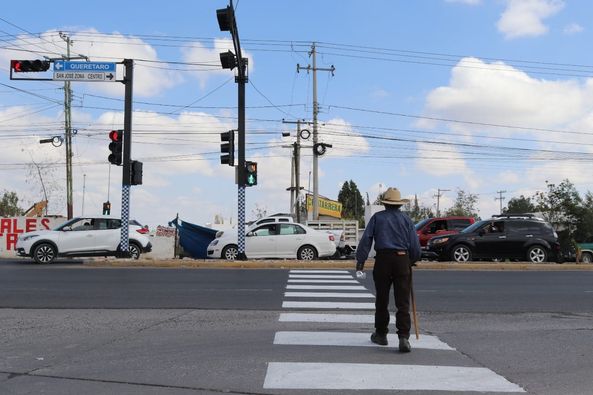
(214,242)
(219,234)
(439,241)
(25,238)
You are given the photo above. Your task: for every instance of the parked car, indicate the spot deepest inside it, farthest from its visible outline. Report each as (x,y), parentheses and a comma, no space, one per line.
(286,218)
(586,249)
(83,236)
(431,227)
(513,236)
(275,240)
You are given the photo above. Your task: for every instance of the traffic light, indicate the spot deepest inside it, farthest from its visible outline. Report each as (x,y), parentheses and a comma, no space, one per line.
(136,172)
(250,173)
(107,208)
(227,149)
(116,147)
(24,66)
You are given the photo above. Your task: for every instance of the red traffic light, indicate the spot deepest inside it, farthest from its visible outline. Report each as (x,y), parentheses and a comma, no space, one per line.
(24,66)
(116,135)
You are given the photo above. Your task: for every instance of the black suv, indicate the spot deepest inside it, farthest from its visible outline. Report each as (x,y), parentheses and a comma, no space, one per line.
(513,236)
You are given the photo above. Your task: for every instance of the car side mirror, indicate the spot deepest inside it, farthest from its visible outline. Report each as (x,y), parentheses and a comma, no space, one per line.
(482,232)
(66,228)
(425,231)
(249,234)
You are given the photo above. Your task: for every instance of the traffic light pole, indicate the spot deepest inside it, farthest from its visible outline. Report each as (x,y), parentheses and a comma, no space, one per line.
(241,80)
(127,154)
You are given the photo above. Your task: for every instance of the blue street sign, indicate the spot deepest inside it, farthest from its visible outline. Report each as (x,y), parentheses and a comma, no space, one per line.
(84,67)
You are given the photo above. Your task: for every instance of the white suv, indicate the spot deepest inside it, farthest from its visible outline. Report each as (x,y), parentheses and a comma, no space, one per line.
(82,236)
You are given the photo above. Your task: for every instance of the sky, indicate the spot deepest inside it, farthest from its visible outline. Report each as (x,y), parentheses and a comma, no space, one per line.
(480,96)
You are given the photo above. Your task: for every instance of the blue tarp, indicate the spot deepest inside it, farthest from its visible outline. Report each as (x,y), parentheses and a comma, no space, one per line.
(194,239)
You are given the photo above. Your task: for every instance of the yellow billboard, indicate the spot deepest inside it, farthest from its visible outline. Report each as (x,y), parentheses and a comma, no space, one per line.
(328,207)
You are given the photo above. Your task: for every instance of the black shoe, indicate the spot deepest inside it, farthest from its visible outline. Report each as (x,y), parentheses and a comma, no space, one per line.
(404,345)
(379,339)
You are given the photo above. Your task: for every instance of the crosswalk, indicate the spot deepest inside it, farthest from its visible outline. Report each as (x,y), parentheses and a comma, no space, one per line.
(305,301)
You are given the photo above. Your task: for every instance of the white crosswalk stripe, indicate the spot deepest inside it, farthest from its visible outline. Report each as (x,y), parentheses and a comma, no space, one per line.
(317,271)
(357,376)
(328,305)
(323,375)
(353,339)
(357,295)
(325,276)
(322,317)
(326,281)
(328,287)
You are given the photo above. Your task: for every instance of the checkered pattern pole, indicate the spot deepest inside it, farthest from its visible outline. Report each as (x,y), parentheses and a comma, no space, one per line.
(241,214)
(125,218)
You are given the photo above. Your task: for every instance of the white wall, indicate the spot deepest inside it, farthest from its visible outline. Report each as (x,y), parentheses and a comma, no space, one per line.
(11,227)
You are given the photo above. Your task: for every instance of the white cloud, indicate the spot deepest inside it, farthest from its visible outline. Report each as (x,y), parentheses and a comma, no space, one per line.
(573,28)
(500,94)
(210,57)
(346,141)
(524,18)
(103,47)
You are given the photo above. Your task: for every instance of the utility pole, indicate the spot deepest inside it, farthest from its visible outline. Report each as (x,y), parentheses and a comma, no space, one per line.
(501,198)
(438,196)
(314,68)
(295,183)
(68,132)
(83,191)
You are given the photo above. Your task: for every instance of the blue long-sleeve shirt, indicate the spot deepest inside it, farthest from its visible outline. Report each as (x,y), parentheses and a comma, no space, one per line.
(391,229)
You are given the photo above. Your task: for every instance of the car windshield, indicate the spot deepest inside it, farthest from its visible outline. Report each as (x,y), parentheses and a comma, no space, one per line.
(420,224)
(474,226)
(67,223)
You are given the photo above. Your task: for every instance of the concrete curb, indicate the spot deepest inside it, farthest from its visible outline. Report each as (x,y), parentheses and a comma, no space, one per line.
(339,264)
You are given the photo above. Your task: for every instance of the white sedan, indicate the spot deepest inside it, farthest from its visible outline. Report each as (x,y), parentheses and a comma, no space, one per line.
(275,240)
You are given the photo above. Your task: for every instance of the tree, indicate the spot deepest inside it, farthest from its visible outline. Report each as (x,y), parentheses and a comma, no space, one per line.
(520,205)
(352,202)
(9,205)
(416,212)
(259,212)
(562,207)
(560,204)
(464,206)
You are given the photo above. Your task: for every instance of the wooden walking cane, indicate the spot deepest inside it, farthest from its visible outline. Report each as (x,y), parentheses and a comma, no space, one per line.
(413,305)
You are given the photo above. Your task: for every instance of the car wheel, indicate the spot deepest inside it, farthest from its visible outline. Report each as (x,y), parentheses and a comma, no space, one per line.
(307,253)
(135,251)
(537,254)
(461,253)
(230,252)
(44,253)
(587,257)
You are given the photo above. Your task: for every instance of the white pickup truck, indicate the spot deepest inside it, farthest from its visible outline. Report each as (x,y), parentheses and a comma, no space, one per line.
(346,232)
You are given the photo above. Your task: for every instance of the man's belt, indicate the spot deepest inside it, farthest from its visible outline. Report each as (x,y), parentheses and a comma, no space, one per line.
(393,251)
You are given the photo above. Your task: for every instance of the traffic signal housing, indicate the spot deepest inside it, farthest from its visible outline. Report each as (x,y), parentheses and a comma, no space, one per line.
(136,172)
(116,147)
(227,148)
(250,173)
(25,66)
(107,208)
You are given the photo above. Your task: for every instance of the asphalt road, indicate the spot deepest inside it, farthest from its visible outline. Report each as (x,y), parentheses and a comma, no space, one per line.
(69,329)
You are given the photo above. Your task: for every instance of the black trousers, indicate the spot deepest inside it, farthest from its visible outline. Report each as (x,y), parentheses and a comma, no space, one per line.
(390,270)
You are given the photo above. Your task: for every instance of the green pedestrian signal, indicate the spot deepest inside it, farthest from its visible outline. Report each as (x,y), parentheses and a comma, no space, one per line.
(250,174)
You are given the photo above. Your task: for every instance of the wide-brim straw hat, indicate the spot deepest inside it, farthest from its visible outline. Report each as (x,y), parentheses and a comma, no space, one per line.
(392,196)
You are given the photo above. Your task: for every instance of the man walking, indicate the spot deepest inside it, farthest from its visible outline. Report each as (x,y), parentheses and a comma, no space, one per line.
(398,248)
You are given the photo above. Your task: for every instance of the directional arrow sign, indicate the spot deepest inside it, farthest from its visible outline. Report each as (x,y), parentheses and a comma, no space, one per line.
(84,71)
